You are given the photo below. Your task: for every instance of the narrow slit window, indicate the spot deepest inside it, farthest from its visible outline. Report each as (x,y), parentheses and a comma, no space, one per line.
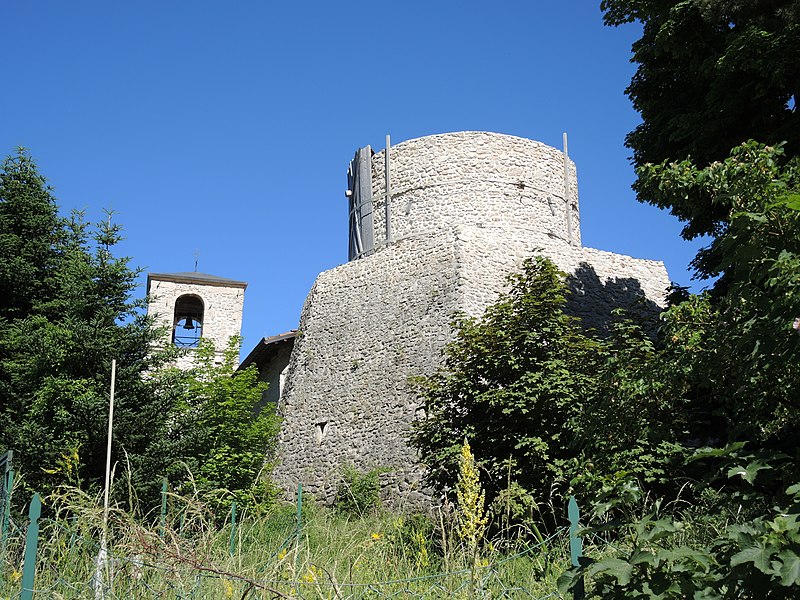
(321,431)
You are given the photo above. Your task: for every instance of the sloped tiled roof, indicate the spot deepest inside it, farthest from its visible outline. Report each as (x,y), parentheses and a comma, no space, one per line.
(195,277)
(266,347)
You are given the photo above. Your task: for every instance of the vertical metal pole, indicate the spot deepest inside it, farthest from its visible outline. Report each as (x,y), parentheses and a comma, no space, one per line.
(108,446)
(5,510)
(575,545)
(567,200)
(31,546)
(9,482)
(233,528)
(299,508)
(163,520)
(99,585)
(386,169)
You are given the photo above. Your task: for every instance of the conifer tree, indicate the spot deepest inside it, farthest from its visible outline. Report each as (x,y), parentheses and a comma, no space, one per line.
(29,229)
(66,312)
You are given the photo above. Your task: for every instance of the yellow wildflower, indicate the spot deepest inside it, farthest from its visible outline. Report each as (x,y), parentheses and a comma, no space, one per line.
(312,575)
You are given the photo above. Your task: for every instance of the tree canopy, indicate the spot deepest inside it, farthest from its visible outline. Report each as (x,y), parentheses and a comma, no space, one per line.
(29,236)
(711,75)
(66,310)
(514,383)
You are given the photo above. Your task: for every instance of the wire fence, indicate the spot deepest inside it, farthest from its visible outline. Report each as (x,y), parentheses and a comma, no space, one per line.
(162,562)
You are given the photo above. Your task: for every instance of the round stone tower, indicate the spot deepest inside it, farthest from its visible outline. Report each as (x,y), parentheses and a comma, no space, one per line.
(470,178)
(477,178)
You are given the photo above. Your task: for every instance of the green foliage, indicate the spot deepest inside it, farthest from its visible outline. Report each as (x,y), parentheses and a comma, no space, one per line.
(735,347)
(383,555)
(29,235)
(223,435)
(725,368)
(711,74)
(359,493)
(65,313)
(513,382)
(634,424)
(551,409)
(733,546)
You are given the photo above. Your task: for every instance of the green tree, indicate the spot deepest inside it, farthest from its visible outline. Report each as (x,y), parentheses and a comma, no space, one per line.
(711,74)
(739,343)
(65,318)
(29,234)
(513,383)
(223,431)
(635,424)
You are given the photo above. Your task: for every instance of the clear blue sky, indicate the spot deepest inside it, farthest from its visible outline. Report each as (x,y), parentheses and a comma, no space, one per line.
(227,127)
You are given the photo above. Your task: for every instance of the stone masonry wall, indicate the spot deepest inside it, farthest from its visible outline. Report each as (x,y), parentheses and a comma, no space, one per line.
(475,178)
(599,281)
(366,327)
(221,320)
(467,209)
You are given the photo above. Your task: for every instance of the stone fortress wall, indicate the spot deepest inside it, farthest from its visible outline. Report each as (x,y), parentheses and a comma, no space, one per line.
(466,210)
(476,178)
(223,303)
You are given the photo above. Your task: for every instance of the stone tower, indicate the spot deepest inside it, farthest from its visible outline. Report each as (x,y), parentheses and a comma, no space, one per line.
(195,305)
(465,210)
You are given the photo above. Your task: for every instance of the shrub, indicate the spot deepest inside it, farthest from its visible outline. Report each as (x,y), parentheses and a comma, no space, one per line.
(360,492)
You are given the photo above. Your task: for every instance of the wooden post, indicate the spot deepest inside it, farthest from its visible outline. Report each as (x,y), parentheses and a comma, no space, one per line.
(31,547)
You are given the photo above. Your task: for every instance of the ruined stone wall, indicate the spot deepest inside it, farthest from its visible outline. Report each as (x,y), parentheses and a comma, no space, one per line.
(222,318)
(468,209)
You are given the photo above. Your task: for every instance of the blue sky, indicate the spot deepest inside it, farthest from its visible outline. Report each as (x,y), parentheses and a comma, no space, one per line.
(227,127)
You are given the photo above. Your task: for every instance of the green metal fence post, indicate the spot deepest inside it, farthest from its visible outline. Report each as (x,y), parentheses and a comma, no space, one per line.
(31,546)
(575,545)
(6,486)
(163,519)
(6,511)
(233,528)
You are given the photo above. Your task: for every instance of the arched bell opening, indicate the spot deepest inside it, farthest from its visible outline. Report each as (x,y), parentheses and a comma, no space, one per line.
(187,325)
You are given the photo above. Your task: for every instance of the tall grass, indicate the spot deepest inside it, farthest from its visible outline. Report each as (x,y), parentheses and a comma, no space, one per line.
(331,555)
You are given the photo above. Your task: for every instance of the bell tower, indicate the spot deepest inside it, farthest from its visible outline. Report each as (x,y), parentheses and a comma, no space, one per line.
(192,306)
